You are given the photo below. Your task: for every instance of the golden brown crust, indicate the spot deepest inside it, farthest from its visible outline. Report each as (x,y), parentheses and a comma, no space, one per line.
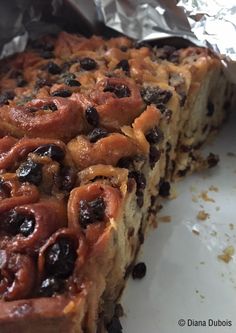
(90,130)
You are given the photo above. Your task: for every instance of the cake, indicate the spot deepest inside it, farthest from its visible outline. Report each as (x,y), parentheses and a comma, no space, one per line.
(93,133)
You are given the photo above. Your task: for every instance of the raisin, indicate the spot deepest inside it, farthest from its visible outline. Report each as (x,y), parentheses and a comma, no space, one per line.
(141,184)
(66,178)
(97,134)
(21,82)
(68,76)
(166,51)
(138,45)
(72,82)
(164,189)
(6,96)
(124,65)
(114,326)
(53,68)
(5,191)
(155,136)
(120,90)
(30,171)
(139,178)
(88,64)
(91,211)
(47,54)
(156,95)
(60,258)
(53,151)
(154,156)
(125,162)
(140,199)
(139,271)
(40,83)
(61,93)
(124,48)
(50,106)
(167,114)
(27,227)
(210,109)
(16,223)
(212,160)
(51,286)
(92,116)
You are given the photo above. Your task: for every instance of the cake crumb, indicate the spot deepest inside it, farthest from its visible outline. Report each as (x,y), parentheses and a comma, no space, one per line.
(231,226)
(213,233)
(213,188)
(230,154)
(165,219)
(196,232)
(204,196)
(202,215)
(227,254)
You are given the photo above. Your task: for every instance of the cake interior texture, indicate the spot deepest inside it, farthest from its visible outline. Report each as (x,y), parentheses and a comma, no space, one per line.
(93,132)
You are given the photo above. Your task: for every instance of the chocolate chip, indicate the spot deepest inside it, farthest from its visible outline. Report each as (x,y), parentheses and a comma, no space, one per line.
(6,96)
(210,109)
(88,64)
(15,223)
(60,258)
(30,171)
(120,90)
(154,156)
(156,95)
(51,150)
(164,189)
(97,134)
(62,93)
(155,135)
(51,286)
(53,68)
(139,271)
(91,211)
(124,65)
(92,116)
(212,160)
(72,82)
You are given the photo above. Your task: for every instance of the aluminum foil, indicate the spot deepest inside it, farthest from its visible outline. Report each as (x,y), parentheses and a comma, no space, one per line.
(210,23)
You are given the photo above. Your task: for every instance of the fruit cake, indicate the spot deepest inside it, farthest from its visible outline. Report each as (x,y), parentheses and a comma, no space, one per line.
(92,133)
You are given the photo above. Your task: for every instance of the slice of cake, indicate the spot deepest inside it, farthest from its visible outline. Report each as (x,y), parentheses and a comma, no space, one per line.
(93,132)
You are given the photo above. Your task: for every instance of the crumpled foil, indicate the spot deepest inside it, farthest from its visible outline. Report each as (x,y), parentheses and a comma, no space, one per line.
(210,23)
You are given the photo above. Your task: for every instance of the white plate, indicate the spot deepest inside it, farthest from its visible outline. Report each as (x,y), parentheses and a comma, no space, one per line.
(185,279)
